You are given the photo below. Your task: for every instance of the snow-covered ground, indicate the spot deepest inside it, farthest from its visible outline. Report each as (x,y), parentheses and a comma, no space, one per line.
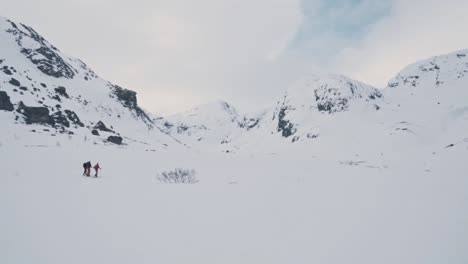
(283,208)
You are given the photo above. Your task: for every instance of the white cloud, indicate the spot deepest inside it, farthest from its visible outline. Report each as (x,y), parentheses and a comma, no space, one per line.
(413,31)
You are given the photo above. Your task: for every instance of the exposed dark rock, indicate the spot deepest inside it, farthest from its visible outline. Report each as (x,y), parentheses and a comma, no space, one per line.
(326,102)
(5,103)
(250,123)
(43,85)
(375,95)
(62,91)
(128,99)
(95,132)
(45,57)
(73,117)
(182,128)
(23,88)
(285,126)
(56,97)
(6,70)
(14,82)
(100,126)
(60,119)
(115,139)
(34,115)
(168,125)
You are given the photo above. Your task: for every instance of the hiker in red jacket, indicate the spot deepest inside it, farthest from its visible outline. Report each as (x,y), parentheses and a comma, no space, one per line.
(96,168)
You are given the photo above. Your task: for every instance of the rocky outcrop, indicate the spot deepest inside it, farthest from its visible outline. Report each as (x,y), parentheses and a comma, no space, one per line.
(5,103)
(60,119)
(115,139)
(128,99)
(43,55)
(14,82)
(6,70)
(332,99)
(62,91)
(100,126)
(285,126)
(73,117)
(35,115)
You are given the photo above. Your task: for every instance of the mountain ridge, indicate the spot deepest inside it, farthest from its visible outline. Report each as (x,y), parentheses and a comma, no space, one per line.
(43,89)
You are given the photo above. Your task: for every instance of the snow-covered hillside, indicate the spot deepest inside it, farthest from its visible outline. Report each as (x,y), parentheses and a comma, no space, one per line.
(45,93)
(207,125)
(424,107)
(429,98)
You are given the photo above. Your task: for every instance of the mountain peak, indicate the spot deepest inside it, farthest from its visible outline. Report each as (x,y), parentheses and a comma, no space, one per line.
(59,95)
(213,107)
(433,72)
(328,93)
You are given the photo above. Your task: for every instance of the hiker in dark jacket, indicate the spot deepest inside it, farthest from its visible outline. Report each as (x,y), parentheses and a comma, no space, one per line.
(87,168)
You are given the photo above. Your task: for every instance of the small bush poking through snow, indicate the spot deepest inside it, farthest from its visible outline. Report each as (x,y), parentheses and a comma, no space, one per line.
(177,176)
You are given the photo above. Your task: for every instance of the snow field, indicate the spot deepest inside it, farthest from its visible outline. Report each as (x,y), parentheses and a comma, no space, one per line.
(245,209)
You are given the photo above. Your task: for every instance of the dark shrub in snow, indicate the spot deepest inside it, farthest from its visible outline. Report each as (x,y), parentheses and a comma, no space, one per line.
(177,176)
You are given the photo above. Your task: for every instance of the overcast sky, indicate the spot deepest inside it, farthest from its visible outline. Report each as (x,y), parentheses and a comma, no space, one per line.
(180,53)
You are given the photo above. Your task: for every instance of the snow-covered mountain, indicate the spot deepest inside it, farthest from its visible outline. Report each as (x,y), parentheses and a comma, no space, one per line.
(295,117)
(299,111)
(207,125)
(45,93)
(425,104)
(430,98)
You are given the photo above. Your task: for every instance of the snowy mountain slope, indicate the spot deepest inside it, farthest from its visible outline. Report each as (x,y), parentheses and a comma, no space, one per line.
(314,97)
(431,95)
(424,106)
(207,125)
(317,108)
(295,117)
(46,92)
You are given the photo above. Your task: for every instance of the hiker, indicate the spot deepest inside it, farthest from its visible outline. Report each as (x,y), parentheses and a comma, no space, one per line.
(87,168)
(96,168)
